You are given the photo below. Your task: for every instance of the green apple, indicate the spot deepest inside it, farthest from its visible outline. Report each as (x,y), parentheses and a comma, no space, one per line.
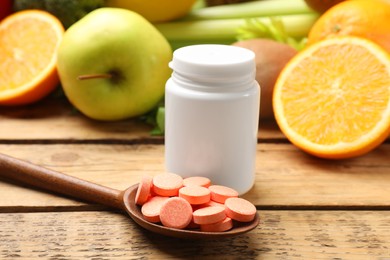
(113,64)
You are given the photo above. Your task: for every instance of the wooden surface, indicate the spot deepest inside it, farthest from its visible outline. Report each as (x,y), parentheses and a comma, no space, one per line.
(310,208)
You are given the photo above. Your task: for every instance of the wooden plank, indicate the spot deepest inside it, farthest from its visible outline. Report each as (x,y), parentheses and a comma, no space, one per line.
(288,176)
(55,119)
(281,235)
(285,176)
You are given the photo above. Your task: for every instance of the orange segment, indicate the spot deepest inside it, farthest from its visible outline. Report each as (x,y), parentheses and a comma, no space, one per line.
(28,46)
(333,99)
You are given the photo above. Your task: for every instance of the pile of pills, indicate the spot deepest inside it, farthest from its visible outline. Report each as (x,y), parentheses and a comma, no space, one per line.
(191,203)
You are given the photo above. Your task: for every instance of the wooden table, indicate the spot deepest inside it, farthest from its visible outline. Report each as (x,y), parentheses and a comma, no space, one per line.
(310,208)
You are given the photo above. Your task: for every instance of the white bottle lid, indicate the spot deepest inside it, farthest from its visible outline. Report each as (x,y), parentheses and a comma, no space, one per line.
(215,63)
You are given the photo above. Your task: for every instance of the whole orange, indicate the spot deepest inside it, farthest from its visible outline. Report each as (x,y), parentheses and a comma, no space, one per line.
(368,19)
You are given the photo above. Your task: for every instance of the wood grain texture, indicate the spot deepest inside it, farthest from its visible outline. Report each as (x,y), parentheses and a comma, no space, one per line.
(285,176)
(55,119)
(281,235)
(294,193)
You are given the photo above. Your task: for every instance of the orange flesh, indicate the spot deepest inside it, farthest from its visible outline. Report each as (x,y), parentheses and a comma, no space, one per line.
(318,106)
(22,60)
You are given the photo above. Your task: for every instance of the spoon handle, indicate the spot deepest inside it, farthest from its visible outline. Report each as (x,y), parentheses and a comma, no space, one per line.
(51,180)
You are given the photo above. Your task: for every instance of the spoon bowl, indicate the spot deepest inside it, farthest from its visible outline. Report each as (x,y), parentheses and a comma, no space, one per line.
(134,212)
(51,180)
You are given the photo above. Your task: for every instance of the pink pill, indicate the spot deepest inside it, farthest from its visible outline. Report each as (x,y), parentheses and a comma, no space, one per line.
(197,181)
(195,195)
(143,191)
(151,209)
(220,193)
(240,209)
(213,203)
(176,213)
(220,226)
(208,215)
(167,184)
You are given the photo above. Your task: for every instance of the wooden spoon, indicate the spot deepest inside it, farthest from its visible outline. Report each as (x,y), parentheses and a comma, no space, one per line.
(44,178)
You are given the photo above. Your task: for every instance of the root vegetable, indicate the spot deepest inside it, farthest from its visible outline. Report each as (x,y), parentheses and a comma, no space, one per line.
(322,5)
(271,57)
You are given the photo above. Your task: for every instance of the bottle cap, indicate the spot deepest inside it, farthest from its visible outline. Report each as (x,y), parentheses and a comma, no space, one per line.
(214,63)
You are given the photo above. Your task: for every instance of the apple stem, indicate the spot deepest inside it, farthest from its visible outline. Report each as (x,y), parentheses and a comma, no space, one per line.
(94,76)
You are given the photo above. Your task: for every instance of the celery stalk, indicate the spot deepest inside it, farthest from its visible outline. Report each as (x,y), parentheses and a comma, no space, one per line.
(226,30)
(250,9)
(200,30)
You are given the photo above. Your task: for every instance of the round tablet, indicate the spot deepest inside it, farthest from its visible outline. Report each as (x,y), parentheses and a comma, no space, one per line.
(195,195)
(197,181)
(220,226)
(151,209)
(167,184)
(214,203)
(220,193)
(143,191)
(208,215)
(176,213)
(240,209)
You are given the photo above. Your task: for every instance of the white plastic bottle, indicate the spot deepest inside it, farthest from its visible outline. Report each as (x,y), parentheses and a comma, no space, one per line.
(211,115)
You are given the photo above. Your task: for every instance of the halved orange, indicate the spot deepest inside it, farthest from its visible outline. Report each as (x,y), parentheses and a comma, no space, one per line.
(333,99)
(28,45)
